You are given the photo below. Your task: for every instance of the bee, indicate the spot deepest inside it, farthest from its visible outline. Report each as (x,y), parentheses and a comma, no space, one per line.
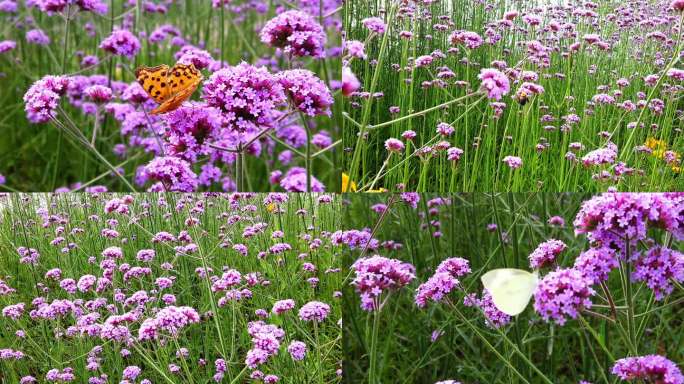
(521,97)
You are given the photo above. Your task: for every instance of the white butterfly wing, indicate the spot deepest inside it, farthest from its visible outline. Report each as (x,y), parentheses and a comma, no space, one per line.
(511,289)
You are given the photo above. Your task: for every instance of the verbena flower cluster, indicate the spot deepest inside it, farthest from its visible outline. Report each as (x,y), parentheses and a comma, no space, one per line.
(563,294)
(376,275)
(649,369)
(296,32)
(443,281)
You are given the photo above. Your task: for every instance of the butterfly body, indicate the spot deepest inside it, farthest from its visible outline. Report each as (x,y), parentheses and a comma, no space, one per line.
(169,87)
(511,289)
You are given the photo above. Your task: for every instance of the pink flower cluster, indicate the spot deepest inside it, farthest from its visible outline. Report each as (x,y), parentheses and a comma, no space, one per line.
(494,82)
(265,342)
(612,218)
(375,275)
(296,32)
(545,253)
(649,369)
(561,294)
(169,319)
(42,99)
(443,281)
(658,267)
(315,311)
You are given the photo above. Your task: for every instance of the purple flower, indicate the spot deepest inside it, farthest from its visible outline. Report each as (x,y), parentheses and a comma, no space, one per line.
(246,95)
(612,218)
(7,45)
(13,311)
(86,282)
(98,93)
(8,6)
(596,263)
(42,98)
(121,43)
(355,48)
(649,369)
(376,274)
(411,198)
(131,372)
(435,288)
(677,5)
(169,319)
(556,221)
(37,36)
(295,181)
(173,173)
(545,253)
(471,40)
(514,162)
(374,24)
(306,91)
(423,61)
(445,129)
(191,55)
(455,266)
(561,294)
(189,130)
(454,154)
(394,145)
(282,306)
(297,350)
(605,155)
(95,6)
(657,267)
(349,82)
(314,311)
(296,32)
(494,82)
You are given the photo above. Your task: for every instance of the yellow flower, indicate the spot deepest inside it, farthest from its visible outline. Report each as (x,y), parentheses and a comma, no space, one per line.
(271,207)
(347,184)
(658,146)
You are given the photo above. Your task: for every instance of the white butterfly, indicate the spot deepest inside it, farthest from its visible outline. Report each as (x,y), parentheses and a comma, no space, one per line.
(511,289)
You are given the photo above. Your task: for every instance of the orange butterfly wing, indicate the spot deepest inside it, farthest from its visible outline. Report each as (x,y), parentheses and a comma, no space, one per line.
(172,90)
(154,81)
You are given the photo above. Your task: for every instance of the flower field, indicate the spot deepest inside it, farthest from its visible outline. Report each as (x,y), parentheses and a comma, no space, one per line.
(169,288)
(513,95)
(607,307)
(170,96)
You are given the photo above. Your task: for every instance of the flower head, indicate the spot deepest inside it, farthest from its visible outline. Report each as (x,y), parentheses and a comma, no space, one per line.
(349,82)
(296,32)
(376,274)
(494,82)
(246,95)
(561,294)
(314,311)
(658,267)
(650,368)
(545,253)
(121,43)
(307,92)
(173,173)
(374,24)
(42,98)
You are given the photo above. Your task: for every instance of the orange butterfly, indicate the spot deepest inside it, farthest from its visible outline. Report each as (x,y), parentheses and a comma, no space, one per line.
(169,87)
